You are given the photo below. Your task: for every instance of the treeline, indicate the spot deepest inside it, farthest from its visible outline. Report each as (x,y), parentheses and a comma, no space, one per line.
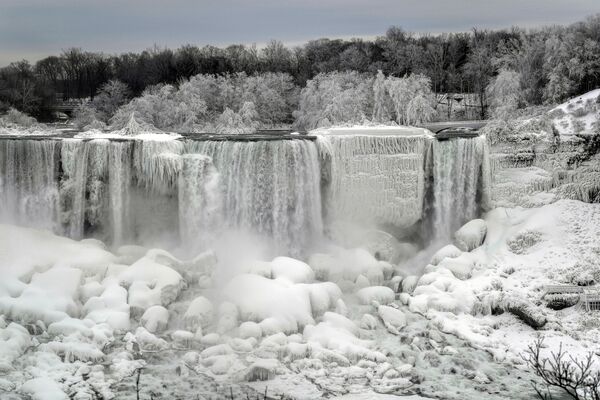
(550,63)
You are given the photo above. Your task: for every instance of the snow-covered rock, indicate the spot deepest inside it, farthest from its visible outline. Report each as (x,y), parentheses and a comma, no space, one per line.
(199,313)
(155,319)
(471,235)
(449,251)
(393,319)
(380,294)
(294,270)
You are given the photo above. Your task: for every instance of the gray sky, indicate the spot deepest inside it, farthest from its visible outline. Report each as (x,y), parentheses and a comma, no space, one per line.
(33,29)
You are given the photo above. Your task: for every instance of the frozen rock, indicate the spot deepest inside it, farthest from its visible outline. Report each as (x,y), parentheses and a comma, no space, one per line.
(43,389)
(259,299)
(393,319)
(449,251)
(200,312)
(375,275)
(216,350)
(325,266)
(164,282)
(362,282)
(148,342)
(250,329)
(471,235)
(368,322)
(291,269)
(110,307)
(380,294)
(262,370)
(409,283)
(526,311)
(155,319)
(94,242)
(163,257)
(461,266)
(182,339)
(210,339)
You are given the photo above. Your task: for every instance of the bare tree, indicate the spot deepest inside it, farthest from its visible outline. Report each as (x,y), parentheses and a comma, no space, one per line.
(576,378)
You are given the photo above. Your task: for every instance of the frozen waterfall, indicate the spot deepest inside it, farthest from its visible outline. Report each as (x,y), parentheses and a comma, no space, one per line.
(189,191)
(461,183)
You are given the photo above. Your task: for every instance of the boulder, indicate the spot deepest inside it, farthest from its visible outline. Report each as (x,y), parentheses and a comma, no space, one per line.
(471,235)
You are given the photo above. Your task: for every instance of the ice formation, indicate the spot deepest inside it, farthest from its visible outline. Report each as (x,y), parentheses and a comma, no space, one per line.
(375,179)
(81,318)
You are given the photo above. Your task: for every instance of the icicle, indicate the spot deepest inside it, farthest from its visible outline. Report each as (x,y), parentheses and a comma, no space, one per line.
(157,165)
(375,179)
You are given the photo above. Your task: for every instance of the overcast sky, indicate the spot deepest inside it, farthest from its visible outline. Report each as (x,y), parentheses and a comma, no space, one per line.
(33,29)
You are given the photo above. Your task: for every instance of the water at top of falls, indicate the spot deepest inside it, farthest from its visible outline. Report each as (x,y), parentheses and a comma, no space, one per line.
(460,183)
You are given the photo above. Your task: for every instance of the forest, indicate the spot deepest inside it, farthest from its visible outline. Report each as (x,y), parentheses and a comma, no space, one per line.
(356,80)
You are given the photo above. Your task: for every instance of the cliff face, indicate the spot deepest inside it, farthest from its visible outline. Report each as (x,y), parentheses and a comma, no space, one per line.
(530,172)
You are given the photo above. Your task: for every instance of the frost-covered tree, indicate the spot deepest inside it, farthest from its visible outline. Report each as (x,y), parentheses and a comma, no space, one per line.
(242,122)
(335,98)
(403,90)
(419,110)
(381,100)
(110,97)
(504,93)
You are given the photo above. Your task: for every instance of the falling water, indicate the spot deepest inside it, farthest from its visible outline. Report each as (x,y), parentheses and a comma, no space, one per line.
(199,200)
(270,188)
(29,182)
(460,176)
(119,180)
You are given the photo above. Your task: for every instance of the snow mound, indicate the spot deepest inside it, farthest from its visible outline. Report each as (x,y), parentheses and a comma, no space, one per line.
(155,319)
(449,251)
(294,270)
(471,235)
(151,284)
(393,319)
(200,313)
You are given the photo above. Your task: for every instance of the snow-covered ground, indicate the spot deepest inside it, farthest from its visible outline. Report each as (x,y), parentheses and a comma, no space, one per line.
(77,321)
(578,115)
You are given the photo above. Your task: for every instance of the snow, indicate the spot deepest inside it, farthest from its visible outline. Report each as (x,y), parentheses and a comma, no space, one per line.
(155,319)
(329,324)
(199,313)
(578,110)
(471,235)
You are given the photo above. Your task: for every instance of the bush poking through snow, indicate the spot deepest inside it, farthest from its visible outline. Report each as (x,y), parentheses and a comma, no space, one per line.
(521,243)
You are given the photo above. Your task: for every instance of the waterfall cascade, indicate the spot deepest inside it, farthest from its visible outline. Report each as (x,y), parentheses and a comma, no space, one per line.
(461,179)
(126,190)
